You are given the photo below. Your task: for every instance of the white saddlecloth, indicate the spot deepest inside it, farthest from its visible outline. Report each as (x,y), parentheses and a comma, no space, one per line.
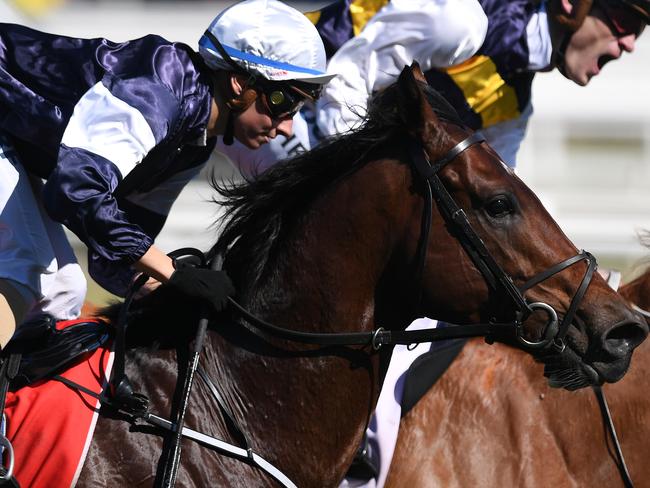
(384,424)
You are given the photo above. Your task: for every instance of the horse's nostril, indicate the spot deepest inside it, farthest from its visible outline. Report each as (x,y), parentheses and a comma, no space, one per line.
(622,338)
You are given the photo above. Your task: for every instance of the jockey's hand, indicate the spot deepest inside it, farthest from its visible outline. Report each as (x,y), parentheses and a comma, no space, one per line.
(210,285)
(150,285)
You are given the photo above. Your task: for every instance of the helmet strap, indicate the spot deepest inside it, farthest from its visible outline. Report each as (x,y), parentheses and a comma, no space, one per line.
(224,54)
(564,26)
(228,135)
(236,105)
(559,56)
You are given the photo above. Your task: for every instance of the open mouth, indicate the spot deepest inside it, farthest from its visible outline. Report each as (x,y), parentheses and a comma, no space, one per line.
(577,365)
(604,59)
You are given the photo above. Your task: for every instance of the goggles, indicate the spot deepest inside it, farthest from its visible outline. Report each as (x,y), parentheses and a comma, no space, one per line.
(621,20)
(284,100)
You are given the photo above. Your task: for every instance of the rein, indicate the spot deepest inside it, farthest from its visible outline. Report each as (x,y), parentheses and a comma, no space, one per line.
(611,431)
(172,454)
(245,454)
(377,338)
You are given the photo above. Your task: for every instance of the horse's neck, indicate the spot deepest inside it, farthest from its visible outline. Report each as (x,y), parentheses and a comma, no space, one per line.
(326,280)
(328,275)
(495,404)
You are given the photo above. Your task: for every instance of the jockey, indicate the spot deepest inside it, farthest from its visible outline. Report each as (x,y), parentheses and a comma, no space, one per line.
(102,136)
(481,54)
(492,89)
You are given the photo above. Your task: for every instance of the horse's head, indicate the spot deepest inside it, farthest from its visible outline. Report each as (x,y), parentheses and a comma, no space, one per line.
(507,260)
(336,239)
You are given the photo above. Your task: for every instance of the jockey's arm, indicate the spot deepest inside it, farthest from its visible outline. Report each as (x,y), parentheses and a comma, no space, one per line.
(434,33)
(156,264)
(96,155)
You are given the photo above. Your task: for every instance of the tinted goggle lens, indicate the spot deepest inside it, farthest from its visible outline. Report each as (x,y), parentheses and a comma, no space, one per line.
(282,103)
(622,20)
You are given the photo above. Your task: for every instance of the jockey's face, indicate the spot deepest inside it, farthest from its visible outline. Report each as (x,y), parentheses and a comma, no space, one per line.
(603,37)
(255,125)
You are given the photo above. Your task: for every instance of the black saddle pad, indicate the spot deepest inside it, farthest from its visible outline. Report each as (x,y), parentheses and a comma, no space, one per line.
(426,370)
(46,351)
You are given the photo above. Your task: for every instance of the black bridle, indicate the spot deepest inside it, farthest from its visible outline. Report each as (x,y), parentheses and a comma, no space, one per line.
(497,279)
(473,245)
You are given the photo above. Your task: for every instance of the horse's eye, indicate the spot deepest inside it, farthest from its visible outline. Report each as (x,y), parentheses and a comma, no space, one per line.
(499,207)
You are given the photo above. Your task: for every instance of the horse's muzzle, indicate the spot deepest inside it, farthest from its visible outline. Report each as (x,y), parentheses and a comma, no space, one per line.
(616,347)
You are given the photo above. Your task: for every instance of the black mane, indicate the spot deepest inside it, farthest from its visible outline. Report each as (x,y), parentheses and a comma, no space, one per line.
(259,212)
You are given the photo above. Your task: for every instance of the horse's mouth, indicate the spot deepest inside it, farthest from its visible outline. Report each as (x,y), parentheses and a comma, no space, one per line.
(579,365)
(570,371)
(611,372)
(567,370)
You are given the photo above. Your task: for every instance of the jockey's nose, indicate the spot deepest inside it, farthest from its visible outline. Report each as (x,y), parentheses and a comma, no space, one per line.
(627,43)
(285,127)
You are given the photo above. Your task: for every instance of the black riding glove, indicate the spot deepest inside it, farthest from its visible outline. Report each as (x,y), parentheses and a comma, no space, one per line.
(206,284)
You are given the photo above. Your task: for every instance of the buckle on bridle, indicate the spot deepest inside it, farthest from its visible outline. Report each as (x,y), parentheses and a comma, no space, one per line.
(6,472)
(376,340)
(551,331)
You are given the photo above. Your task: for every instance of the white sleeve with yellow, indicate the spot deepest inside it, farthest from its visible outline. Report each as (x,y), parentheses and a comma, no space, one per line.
(435,33)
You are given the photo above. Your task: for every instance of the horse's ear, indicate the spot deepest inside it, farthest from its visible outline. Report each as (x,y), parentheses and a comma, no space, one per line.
(416,111)
(417,72)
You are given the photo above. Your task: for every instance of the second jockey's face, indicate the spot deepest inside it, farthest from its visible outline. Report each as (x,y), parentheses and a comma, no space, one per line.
(255,126)
(598,41)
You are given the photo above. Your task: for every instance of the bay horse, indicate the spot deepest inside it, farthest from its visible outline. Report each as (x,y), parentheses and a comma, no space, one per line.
(492,421)
(331,241)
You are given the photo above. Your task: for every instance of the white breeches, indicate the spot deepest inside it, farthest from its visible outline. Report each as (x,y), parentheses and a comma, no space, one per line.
(35,255)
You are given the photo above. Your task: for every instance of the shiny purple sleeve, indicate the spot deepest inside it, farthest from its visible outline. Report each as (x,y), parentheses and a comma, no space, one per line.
(80,191)
(79,194)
